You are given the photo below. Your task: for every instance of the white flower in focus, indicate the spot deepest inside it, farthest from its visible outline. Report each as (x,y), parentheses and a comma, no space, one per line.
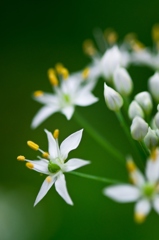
(139,128)
(153,84)
(145,101)
(71,92)
(113,99)
(135,110)
(145,190)
(54,163)
(110,61)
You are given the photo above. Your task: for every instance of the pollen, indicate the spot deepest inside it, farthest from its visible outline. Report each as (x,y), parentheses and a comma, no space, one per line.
(59,67)
(65,73)
(48,179)
(139,217)
(110,35)
(38,93)
(21,158)
(85,73)
(52,77)
(154,155)
(45,154)
(33,145)
(155,33)
(131,166)
(29,165)
(88,47)
(56,133)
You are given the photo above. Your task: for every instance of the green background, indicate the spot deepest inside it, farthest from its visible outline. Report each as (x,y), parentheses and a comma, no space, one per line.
(34,36)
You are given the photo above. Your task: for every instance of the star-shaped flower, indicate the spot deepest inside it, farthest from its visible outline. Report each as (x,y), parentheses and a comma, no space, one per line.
(145,190)
(73,90)
(54,163)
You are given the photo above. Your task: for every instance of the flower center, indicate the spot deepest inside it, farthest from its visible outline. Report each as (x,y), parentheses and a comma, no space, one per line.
(148,190)
(67,98)
(53,168)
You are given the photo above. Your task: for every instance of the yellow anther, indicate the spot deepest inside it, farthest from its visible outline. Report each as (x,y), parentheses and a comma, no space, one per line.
(45,154)
(85,73)
(154,154)
(110,35)
(48,179)
(137,46)
(155,32)
(33,145)
(139,217)
(38,93)
(56,133)
(131,166)
(59,67)
(20,158)
(52,77)
(29,165)
(88,47)
(65,73)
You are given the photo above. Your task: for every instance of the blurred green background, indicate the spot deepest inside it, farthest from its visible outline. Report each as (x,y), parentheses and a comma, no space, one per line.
(35,35)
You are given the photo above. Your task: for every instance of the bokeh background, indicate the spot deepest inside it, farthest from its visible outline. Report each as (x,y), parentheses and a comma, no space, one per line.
(35,35)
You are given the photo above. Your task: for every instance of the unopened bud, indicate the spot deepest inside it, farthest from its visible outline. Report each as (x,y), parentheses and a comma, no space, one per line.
(145,101)
(154,86)
(135,110)
(139,128)
(122,81)
(113,99)
(151,139)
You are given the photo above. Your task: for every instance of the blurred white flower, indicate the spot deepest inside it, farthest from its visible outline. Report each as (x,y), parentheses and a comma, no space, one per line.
(153,84)
(139,128)
(71,92)
(135,110)
(145,101)
(145,190)
(54,163)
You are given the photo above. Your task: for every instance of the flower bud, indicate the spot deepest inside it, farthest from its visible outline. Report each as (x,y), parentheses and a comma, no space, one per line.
(151,139)
(154,86)
(145,101)
(135,110)
(109,62)
(157,120)
(113,99)
(138,128)
(122,81)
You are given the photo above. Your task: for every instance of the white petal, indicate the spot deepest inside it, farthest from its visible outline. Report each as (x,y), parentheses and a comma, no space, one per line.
(152,170)
(42,114)
(53,146)
(70,143)
(122,193)
(156,204)
(40,165)
(73,164)
(137,178)
(85,98)
(44,189)
(142,207)
(60,186)
(68,112)
(47,98)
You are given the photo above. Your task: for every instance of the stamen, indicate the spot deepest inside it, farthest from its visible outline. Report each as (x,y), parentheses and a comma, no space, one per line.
(33,145)
(29,165)
(56,133)
(48,179)
(59,67)
(131,166)
(88,47)
(52,77)
(38,93)
(137,46)
(110,35)
(85,73)
(65,73)
(139,217)
(21,158)
(153,155)
(45,154)
(155,33)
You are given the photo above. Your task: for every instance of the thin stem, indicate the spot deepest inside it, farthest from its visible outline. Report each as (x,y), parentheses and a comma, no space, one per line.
(99,138)
(96,178)
(146,151)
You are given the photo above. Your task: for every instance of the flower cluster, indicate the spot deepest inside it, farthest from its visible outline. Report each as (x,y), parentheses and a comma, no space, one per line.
(138,115)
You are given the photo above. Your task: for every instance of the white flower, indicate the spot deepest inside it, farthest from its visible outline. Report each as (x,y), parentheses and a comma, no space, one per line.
(135,110)
(54,164)
(139,128)
(112,98)
(145,101)
(153,83)
(145,190)
(151,139)
(71,92)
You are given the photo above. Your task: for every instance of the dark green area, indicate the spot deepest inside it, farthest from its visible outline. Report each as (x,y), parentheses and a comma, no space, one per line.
(35,35)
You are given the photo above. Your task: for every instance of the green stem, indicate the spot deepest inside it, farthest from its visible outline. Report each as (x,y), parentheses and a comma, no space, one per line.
(96,178)
(99,138)
(146,151)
